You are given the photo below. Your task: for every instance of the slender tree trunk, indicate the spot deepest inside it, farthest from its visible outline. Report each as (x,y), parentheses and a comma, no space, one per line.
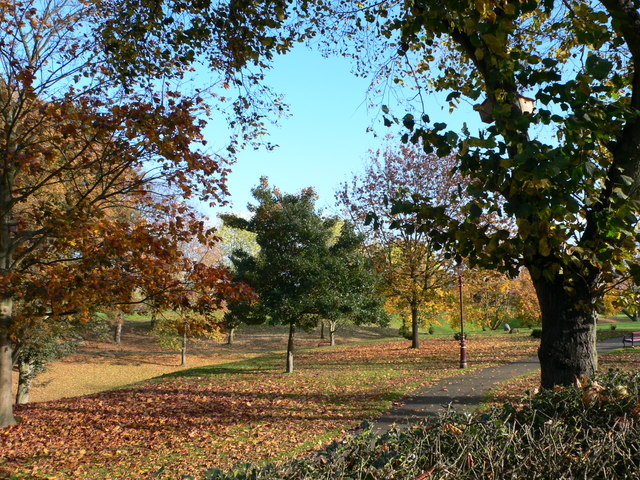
(332,334)
(230,336)
(567,348)
(321,329)
(6,367)
(292,332)
(25,377)
(117,330)
(415,340)
(184,348)
(154,319)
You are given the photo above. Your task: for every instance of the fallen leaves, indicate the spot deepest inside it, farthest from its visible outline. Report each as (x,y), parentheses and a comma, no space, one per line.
(235,414)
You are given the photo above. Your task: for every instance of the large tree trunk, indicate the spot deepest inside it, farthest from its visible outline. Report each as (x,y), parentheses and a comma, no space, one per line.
(6,367)
(332,334)
(230,336)
(415,340)
(184,349)
(25,377)
(567,348)
(292,332)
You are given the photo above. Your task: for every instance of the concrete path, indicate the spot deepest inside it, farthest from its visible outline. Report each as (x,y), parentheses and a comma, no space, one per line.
(463,392)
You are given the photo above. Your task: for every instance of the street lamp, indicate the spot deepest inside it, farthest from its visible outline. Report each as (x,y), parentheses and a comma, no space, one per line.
(463,341)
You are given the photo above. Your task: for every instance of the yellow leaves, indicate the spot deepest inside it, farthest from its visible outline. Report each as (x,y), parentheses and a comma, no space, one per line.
(485,8)
(543,247)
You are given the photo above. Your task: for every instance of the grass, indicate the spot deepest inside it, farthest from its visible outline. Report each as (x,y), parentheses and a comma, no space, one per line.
(219,415)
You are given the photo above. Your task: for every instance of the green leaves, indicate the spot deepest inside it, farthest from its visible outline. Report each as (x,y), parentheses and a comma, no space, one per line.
(597,67)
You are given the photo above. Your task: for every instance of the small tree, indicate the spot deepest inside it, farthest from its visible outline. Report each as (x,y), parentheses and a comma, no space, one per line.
(350,290)
(407,259)
(293,272)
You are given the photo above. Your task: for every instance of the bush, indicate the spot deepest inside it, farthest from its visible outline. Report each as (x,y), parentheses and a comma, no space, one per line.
(613,326)
(458,336)
(536,333)
(431,330)
(406,331)
(587,432)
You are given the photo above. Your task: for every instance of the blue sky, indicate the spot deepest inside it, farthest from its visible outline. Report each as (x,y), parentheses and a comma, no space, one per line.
(325,140)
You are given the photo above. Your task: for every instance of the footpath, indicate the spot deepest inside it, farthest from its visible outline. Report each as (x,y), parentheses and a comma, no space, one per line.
(462,393)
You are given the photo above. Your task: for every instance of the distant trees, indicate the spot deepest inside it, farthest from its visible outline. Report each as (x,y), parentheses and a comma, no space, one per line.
(307,266)
(408,259)
(492,299)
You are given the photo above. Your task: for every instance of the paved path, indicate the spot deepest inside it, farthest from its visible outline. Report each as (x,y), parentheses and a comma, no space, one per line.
(463,392)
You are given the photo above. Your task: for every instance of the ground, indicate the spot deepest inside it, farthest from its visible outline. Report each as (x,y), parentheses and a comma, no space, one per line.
(100,364)
(236,405)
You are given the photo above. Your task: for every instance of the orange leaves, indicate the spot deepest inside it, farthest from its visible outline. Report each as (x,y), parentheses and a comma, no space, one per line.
(233,414)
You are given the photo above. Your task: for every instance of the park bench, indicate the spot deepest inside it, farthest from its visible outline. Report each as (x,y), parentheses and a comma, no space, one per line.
(633,338)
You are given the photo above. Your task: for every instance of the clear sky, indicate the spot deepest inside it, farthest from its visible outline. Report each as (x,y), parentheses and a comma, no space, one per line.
(324,141)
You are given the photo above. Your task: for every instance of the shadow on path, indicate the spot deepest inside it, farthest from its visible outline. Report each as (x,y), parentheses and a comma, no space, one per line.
(463,393)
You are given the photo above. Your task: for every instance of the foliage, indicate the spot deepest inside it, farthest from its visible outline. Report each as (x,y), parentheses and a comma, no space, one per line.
(234,240)
(492,299)
(221,415)
(85,165)
(588,432)
(407,259)
(458,336)
(536,333)
(307,267)
(563,164)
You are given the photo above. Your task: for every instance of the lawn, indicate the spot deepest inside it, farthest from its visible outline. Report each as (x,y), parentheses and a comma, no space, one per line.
(217,416)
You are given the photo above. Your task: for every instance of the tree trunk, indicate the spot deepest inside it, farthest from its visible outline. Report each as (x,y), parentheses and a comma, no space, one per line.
(25,377)
(415,336)
(567,348)
(184,349)
(230,336)
(292,332)
(332,334)
(632,316)
(117,330)
(321,329)
(6,367)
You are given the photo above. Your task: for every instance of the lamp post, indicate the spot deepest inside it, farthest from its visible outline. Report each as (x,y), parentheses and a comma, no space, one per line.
(463,341)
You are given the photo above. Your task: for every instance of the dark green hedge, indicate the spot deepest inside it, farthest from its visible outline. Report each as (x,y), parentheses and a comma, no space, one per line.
(590,432)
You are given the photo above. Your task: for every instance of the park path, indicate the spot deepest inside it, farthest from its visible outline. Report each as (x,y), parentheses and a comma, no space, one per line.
(463,392)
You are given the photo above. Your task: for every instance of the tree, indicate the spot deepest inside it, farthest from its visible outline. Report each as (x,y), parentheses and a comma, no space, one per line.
(559,87)
(493,299)
(292,272)
(408,259)
(77,150)
(350,288)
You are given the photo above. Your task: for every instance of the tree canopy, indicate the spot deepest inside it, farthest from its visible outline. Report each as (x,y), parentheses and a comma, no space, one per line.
(308,267)
(558,87)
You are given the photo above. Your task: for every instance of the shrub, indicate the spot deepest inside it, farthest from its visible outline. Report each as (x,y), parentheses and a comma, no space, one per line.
(431,330)
(592,431)
(536,333)
(406,331)
(613,326)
